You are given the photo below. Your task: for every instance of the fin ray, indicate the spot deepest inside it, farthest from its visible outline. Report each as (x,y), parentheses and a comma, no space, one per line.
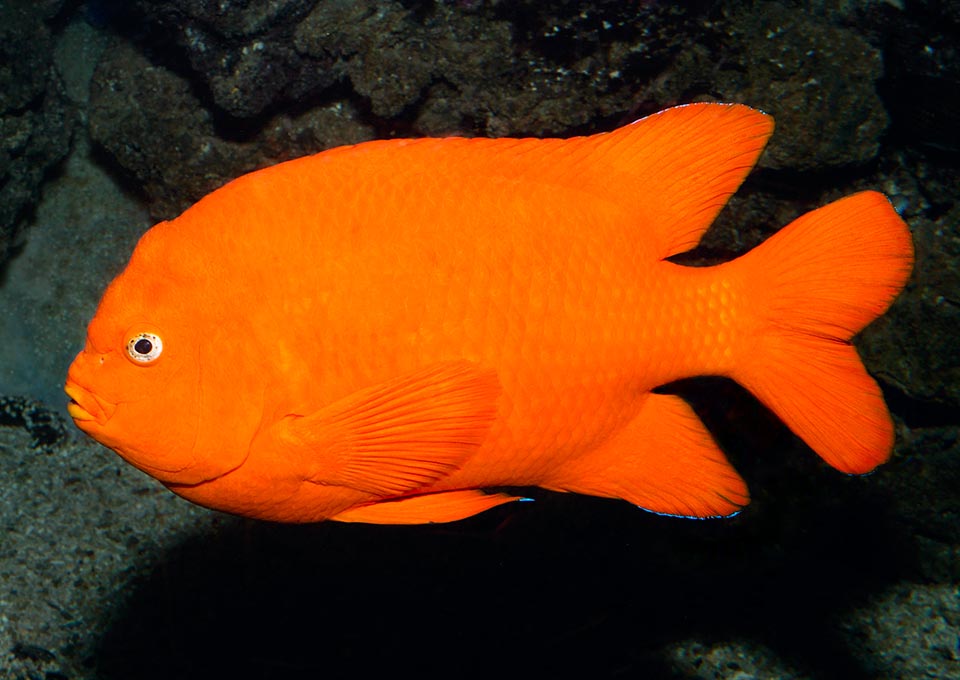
(401,435)
(682,164)
(663,461)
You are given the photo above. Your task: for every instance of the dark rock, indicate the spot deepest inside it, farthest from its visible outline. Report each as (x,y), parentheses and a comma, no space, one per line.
(537,69)
(925,322)
(922,83)
(241,48)
(908,632)
(818,80)
(44,426)
(452,69)
(149,119)
(477,61)
(916,343)
(36,119)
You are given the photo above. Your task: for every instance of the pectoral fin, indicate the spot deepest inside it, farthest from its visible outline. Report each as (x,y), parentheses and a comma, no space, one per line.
(398,436)
(434,507)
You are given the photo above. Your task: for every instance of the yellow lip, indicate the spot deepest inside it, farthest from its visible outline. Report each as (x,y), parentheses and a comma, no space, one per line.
(77,412)
(83,406)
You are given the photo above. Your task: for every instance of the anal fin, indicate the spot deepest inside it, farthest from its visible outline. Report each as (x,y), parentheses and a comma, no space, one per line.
(446,506)
(663,461)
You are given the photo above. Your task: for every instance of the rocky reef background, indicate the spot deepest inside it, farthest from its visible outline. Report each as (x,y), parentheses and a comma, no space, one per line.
(117,114)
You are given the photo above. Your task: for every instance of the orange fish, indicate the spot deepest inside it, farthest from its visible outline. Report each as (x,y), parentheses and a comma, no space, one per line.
(384,332)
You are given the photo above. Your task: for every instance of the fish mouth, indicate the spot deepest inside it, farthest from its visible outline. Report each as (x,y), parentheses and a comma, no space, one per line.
(84,407)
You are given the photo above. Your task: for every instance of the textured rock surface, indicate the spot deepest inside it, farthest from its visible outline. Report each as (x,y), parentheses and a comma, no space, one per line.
(243,49)
(735,660)
(83,232)
(35,116)
(71,539)
(252,56)
(386,68)
(817,79)
(926,317)
(910,632)
(156,128)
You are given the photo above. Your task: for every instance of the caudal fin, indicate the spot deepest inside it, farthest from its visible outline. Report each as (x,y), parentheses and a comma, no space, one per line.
(815,284)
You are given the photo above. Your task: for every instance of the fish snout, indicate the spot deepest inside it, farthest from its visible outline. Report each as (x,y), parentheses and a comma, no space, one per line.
(84,405)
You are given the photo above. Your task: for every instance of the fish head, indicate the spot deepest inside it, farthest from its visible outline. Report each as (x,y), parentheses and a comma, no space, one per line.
(134,395)
(157,382)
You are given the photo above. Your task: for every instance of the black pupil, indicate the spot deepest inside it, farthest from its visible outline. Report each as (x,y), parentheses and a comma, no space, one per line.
(143,346)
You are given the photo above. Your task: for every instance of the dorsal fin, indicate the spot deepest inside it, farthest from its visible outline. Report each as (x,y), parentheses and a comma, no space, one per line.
(680,166)
(673,170)
(670,172)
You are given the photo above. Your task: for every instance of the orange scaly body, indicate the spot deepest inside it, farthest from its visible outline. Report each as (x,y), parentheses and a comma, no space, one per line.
(380,332)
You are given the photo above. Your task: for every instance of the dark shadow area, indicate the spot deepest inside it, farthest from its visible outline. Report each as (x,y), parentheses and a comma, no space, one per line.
(12,253)
(566,586)
(919,413)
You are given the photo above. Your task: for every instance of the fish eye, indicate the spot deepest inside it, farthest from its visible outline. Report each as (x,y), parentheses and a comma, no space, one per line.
(144,348)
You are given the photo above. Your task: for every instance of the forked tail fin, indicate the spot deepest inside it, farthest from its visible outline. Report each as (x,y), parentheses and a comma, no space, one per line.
(814,285)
